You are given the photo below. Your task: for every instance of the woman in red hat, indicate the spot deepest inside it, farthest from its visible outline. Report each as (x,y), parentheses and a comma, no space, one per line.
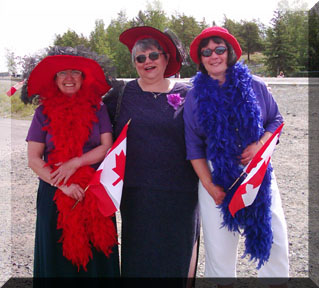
(229,114)
(159,211)
(68,138)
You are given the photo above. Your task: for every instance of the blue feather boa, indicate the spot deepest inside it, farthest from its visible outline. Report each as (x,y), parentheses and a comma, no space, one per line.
(231,118)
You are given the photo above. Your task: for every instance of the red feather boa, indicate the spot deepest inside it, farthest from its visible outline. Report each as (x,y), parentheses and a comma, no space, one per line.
(70,121)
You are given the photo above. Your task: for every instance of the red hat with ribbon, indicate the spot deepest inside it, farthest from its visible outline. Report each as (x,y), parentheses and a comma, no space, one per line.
(130,36)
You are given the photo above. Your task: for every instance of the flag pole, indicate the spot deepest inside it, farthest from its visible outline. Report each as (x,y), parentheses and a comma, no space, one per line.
(242,173)
(76,203)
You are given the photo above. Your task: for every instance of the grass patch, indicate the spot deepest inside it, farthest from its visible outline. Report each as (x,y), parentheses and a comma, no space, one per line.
(256,64)
(13,107)
(19,110)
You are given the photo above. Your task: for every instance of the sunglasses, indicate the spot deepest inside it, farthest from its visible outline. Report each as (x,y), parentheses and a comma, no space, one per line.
(74,73)
(153,56)
(220,50)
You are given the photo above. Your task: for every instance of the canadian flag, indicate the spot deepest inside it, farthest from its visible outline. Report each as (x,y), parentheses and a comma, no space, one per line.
(255,171)
(107,182)
(15,88)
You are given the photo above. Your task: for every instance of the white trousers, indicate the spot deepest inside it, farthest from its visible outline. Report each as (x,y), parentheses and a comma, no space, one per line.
(221,244)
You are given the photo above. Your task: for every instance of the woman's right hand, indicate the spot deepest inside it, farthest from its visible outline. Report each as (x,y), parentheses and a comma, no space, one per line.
(217,193)
(74,191)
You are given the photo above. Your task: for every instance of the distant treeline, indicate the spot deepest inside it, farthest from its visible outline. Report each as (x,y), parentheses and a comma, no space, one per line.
(283,44)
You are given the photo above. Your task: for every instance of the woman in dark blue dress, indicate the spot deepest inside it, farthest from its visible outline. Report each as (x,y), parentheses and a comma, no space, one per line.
(159,206)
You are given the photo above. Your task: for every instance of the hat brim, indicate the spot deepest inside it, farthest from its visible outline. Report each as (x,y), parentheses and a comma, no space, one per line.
(227,36)
(130,36)
(44,73)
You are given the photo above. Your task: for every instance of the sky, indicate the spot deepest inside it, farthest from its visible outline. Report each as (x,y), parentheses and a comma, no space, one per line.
(26,27)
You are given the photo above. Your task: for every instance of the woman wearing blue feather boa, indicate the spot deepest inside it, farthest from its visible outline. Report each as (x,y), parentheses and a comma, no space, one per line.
(229,114)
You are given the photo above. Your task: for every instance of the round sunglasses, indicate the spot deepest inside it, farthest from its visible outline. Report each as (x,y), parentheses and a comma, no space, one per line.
(153,56)
(219,50)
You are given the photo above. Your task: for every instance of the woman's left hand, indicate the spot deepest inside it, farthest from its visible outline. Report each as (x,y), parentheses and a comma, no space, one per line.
(65,171)
(249,152)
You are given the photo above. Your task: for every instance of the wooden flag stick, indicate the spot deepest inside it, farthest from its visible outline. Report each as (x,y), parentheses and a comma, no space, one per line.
(76,203)
(242,173)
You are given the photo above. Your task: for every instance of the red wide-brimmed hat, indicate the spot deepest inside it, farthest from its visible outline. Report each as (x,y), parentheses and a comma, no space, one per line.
(214,31)
(130,36)
(44,73)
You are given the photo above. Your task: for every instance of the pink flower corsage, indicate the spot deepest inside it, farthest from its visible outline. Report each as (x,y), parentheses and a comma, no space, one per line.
(175,100)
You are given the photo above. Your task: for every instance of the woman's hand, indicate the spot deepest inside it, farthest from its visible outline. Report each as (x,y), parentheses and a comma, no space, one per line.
(252,149)
(249,152)
(74,191)
(202,170)
(65,171)
(217,193)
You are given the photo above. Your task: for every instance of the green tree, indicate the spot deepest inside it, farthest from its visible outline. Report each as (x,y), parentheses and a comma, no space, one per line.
(314,41)
(118,52)
(98,39)
(186,28)
(153,16)
(248,33)
(251,38)
(233,28)
(295,18)
(11,60)
(72,39)
(279,51)
(297,26)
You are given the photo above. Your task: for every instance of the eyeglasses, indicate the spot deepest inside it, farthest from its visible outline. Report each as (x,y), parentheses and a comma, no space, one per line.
(219,50)
(74,73)
(153,56)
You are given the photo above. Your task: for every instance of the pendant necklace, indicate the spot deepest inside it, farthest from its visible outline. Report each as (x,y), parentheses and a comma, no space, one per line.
(155,95)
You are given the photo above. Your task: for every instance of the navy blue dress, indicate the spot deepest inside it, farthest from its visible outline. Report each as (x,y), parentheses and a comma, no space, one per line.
(159,206)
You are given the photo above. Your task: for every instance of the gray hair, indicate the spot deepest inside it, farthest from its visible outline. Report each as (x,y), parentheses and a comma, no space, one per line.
(146,44)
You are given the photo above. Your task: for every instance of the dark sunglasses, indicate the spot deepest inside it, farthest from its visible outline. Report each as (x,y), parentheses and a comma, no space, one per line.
(218,50)
(153,56)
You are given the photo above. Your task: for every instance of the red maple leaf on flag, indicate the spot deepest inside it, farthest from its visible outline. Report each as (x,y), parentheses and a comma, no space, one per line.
(120,167)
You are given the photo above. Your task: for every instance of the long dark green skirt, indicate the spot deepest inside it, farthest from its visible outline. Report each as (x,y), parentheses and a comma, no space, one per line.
(48,257)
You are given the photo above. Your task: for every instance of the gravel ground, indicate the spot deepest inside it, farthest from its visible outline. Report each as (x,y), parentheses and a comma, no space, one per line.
(18,186)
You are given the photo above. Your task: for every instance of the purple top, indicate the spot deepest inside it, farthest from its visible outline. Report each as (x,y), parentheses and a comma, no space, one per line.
(37,134)
(194,134)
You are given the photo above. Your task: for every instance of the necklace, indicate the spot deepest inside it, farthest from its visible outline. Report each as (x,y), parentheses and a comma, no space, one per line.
(155,95)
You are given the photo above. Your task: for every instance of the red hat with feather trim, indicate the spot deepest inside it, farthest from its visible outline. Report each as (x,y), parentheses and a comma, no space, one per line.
(44,73)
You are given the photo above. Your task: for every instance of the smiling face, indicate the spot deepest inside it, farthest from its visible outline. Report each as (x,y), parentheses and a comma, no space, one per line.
(216,65)
(69,81)
(151,69)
